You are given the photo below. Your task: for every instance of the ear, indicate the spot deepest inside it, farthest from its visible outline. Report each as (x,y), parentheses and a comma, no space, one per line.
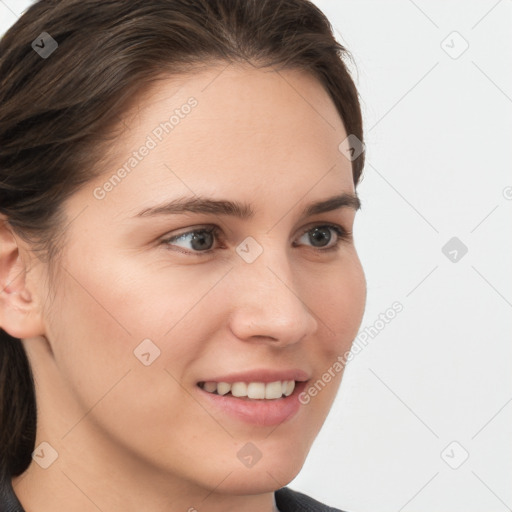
(20,312)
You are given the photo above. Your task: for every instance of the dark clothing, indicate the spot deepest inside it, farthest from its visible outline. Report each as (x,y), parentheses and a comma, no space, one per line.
(8,500)
(287,500)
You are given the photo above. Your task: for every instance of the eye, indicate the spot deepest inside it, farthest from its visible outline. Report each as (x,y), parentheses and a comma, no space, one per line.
(200,240)
(321,234)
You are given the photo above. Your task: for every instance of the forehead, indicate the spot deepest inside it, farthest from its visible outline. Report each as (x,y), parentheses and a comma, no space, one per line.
(231,127)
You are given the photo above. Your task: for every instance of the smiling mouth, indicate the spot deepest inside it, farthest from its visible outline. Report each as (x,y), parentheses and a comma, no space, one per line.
(250,390)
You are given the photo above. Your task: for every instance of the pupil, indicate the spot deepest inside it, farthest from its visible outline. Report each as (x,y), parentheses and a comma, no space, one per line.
(200,238)
(318,233)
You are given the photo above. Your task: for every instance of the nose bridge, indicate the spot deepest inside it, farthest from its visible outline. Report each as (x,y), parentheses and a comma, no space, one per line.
(266,301)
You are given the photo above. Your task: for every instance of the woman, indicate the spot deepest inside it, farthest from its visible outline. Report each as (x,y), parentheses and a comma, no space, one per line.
(178,271)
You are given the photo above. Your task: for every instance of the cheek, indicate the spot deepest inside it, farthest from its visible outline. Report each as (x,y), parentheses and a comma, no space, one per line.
(91,344)
(353,298)
(99,319)
(340,306)
(103,318)
(95,333)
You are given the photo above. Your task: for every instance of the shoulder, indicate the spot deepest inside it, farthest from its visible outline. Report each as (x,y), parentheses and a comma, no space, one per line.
(288,500)
(8,500)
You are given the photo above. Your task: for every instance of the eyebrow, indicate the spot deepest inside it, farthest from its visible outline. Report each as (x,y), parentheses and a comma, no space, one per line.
(241,210)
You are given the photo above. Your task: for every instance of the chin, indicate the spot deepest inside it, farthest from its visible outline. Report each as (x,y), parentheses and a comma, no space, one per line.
(264,476)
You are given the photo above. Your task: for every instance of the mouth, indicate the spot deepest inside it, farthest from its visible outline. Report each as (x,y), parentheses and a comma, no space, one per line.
(257,398)
(250,390)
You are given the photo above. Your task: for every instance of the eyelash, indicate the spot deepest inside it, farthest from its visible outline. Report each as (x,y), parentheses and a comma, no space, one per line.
(342,235)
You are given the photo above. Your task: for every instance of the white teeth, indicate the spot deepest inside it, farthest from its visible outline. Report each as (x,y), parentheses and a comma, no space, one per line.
(239,389)
(223,388)
(274,390)
(252,390)
(290,386)
(256,390)
(210,387)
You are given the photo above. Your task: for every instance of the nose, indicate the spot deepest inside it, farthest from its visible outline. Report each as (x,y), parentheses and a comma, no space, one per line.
(268,304)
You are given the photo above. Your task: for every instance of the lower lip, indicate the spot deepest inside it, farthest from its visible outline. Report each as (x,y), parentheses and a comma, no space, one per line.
(261,412)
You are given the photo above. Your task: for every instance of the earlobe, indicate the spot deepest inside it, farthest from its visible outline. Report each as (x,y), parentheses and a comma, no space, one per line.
(20,314)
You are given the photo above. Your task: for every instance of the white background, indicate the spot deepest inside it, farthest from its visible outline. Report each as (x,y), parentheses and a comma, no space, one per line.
(438,138)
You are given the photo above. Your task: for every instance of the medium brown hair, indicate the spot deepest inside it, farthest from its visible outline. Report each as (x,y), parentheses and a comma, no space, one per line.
(59,113)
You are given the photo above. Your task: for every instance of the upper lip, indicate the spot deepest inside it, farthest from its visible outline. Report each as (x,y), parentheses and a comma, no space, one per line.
(261,375)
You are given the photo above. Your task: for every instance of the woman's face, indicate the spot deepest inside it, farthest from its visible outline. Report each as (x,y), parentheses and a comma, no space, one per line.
(150,305)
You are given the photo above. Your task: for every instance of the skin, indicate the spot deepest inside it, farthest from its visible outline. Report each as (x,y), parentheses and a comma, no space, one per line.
(133,437)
